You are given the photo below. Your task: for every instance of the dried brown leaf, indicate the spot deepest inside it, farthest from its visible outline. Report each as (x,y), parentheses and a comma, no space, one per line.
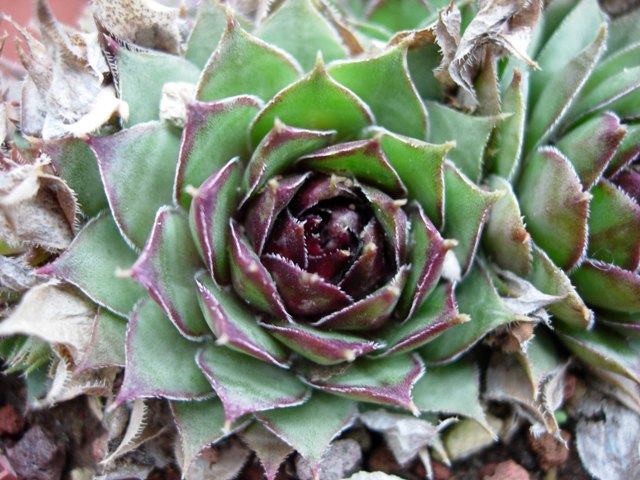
(447,32)
(270,450)
(16,275)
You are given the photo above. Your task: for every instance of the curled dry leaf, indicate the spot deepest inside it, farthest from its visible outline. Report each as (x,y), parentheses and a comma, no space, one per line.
(224,463)
(15,275)
(447,31)
(173,104)
(36,208)
(341,459)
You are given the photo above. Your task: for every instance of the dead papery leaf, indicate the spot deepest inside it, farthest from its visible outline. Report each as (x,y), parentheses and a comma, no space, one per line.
(608,437)
(341,459)
(447,32)
(16,275)
(173,104)
(55,313)
(469,437)
(618,387)
(36,208)
(222,463)
(505,25)
(141,22)
(521,297)
(405,435)
(270,450)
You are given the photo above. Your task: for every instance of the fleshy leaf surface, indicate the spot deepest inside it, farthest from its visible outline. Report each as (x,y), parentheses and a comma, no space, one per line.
(258,386)
(214,133)
(159,361)
(243,64)
(622,287)
(209,26)
(335,107)
(91,263)
(310,428)
(166,268)
(386,381)
(383,82)
(125,160)
(555,206)
(301,30)
(234,324)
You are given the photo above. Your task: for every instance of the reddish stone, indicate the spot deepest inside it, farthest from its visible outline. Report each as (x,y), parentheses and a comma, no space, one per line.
(11,422)
(440,471)
(508,470)
(37,457)
(549,450)
(382,460)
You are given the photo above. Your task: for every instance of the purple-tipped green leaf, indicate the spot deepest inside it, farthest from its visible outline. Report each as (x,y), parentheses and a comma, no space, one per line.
(234,324)
(304,293)
(604,285)
(262,213)
(629,181)
(207,31)
(591,146)
(506,239)
(305,36)
(247,385)
(363,159)
(160,362)
(251,280)
(453,389)
(477,297)
(126,160)
(506,145)
(76,164)
(626,324)
(288,240)
(311,427)
(385,381)
(466,210)
(166,268)
(270,450)
(393,220)
(200,424)
(278,152)
(370,312)
(141,76)
(550,279)
(628,150)
(614,227)
(426,256)
(106,347)
(555,206)
(211,209)
(214,133)
(324,348)
(334,107)
(420,167)
(91,263)
(604,349)
(383,82)
(434,316)
(556,93)
(243,64)
(469,133)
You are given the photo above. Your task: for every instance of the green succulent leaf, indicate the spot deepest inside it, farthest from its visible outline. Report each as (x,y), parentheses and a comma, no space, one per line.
(452,389)
(258,386)
(106,348)
(243,64)
(555,206)
(310,428)
(159,361)
(399,15)
(466,208)
(200,424)
(214,133)
(591,146)
(477,297)
(141,76)
(384,84)
(235,325)
(298,28)
(623,32)
(335,107)
(385,381)
(550,279)
(628,150)
(470,134)
(604,349)
(125,160)
(622,287)
(506,239)
(614,227)
(209,26)
(91,263)
(437,314)
(76,164)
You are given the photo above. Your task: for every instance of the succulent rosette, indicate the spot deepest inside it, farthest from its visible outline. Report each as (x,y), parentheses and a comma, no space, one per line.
(290,225)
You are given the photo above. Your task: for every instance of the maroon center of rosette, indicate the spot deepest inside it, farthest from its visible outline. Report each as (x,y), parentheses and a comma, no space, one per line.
(324,248)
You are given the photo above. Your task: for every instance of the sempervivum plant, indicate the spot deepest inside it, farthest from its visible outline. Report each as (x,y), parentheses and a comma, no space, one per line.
(283,225)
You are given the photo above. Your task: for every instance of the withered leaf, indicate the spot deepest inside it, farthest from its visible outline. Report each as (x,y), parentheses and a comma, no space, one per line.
(16,275)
